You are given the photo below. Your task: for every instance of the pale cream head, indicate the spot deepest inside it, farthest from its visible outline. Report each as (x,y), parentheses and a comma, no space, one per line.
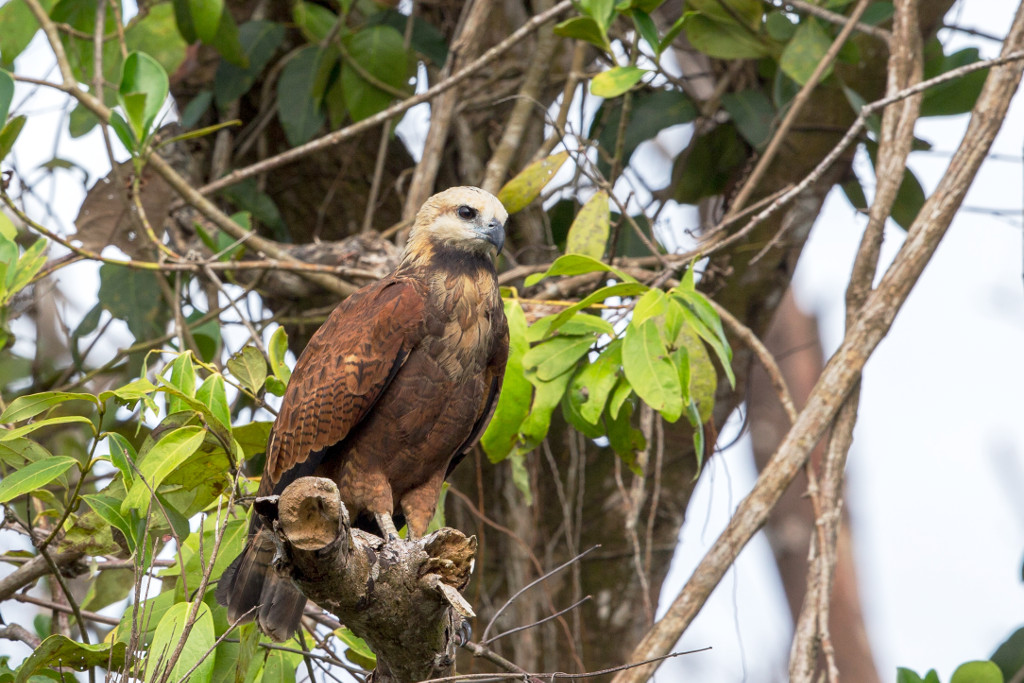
(465,218)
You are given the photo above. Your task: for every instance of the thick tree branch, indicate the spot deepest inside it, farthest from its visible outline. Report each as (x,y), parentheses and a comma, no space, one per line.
(897,137)
(401,597)
(844,368)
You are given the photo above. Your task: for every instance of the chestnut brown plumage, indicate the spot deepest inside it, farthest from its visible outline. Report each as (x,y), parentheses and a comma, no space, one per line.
(389,394)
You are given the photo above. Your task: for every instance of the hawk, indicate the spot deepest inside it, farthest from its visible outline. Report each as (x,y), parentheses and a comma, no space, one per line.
(389,394)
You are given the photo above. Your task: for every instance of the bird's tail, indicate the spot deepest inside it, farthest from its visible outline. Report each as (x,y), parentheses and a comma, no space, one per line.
(250,588)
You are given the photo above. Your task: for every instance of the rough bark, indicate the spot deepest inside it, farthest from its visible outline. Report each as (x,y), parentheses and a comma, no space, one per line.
(402,597)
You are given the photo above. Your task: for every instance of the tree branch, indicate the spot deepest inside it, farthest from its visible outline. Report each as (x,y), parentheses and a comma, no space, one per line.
(401,597)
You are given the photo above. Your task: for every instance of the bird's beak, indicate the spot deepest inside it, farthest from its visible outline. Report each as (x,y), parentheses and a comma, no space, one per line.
(494,232)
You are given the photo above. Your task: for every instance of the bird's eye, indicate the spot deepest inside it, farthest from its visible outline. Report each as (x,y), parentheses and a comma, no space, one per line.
(466,213)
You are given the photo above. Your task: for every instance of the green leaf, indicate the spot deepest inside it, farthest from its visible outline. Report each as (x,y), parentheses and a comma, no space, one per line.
(577,264)
(58,650)
(6,94)
(616,81)
(81,121)
(620,289)
(143,89)
(213,394)
(556,356)
(277,349)
(122,455)
(909,200)
(252,437)
(27,266)
(198,646)
(724,40)
(696,371)
(9,133)
(314,21)
(602,11)
(183,378)
(709,326)
(546,397)
(740,12)
(298,108)
(578,324)
(380,51)
(17,26)
(588,234)
(8,434)
(25,407)
(647,29)
(652,112)
(172,450)
(908,676)
(977,672)
(526,186)
(259,41)
(157,35)
(358,651)
(586,29)
(123,132)
(109,510)
(140,389)
(107,587)
(625,439)
(650,370)
(206,336)
(425,39)
(226,40)
(805,51)
(514,400)
(693,415)
(652,304)
(34,476)
(753,114)
(618,397)
(710,165)
(250,368)
(953,97)
(130,295)
(205,15)
(1009,656)
(594,383)
(779,27)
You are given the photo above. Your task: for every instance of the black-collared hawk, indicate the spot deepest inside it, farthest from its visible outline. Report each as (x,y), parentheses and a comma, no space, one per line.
(390,393)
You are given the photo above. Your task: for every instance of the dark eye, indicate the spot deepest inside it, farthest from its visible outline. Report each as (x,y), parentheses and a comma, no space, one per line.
(466,213)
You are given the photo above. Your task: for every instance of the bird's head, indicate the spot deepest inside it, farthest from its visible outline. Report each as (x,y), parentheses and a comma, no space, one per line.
(464,219)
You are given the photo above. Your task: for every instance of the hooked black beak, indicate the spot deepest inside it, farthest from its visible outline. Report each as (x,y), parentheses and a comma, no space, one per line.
(494,232)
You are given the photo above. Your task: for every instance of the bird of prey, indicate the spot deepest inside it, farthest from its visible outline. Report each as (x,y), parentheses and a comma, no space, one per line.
(390,393)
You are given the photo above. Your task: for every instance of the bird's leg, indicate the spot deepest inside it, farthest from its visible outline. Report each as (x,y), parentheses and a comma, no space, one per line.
(387,526)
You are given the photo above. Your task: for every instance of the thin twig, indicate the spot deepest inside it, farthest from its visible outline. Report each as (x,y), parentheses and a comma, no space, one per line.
(546,619)
(558,675)
(832,17)
(751,341)
(533,583)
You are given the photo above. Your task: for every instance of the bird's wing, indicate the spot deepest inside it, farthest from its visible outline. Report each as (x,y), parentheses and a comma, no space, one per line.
(343,371)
